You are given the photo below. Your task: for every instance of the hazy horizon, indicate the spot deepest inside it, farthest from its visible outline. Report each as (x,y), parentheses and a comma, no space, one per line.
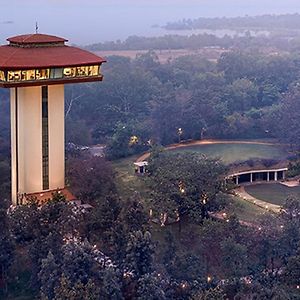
(99,21)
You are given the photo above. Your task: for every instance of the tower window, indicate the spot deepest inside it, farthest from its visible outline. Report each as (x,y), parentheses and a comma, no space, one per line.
(45,138)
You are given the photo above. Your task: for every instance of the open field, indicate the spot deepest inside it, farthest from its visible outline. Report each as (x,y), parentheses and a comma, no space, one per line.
(275,193)
(164,56)
(232,152)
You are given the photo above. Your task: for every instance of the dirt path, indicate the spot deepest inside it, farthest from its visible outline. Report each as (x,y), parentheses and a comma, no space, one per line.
(291,183)
(205,142)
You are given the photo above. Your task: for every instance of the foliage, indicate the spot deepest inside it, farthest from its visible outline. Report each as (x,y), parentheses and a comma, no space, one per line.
(139,253)
(150,288)
(186,183)
(90,177)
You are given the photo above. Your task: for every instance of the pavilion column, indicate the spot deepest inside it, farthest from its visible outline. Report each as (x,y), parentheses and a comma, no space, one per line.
(275,176)
(251,177)
(268,176)
(237,180)
(283,175)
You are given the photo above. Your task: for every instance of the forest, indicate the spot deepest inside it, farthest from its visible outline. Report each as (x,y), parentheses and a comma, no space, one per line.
(118,249)
(241,95)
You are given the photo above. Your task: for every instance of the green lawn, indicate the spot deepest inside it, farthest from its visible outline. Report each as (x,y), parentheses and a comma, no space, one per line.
(231,152)
(275,193)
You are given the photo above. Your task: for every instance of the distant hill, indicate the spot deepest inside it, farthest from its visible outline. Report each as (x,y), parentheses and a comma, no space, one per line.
(267,22)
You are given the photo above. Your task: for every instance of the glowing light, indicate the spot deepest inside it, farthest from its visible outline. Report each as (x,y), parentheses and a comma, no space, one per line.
(209,279)
(181,187)
(184,285)
(259,228)
(133,140)
(298,287)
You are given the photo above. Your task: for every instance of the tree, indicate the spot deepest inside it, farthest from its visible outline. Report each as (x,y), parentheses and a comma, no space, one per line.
(43,229)
(7,247)
(134,215)
(234,258)
(150,288)
(111,286)
(292,271)
(90,178)
(184,183)
(211,294)
(241,95)
(139,253)
(290,114)
(65,290)
(48,276)
(189,267)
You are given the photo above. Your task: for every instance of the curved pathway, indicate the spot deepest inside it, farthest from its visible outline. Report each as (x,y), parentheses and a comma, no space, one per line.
(206,142)
(241,192)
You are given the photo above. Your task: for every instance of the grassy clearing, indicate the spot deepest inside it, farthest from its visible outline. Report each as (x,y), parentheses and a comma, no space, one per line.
(274,193)
(126,180)
(230,153)
(165,55)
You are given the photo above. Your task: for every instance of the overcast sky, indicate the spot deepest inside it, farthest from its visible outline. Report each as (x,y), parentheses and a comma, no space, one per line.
(90,21)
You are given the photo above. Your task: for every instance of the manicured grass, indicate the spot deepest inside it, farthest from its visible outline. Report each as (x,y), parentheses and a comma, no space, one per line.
(274,193)
(232,152)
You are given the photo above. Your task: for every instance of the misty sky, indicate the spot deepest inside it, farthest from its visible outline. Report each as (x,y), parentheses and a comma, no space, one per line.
(90,21)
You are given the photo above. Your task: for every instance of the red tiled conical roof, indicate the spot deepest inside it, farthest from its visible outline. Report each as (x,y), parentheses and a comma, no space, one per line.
(36,38)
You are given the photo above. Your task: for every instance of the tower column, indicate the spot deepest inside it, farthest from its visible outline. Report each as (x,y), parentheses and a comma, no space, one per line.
(37,140)
(56,127)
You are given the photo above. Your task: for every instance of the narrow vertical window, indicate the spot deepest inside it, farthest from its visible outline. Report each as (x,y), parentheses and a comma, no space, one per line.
(45,138)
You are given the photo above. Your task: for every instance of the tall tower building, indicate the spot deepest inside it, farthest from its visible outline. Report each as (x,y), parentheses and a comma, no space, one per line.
(35,68)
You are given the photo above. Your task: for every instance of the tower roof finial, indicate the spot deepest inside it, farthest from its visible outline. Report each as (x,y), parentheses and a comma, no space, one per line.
(36,27)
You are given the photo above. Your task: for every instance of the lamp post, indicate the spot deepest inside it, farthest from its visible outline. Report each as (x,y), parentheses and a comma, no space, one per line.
(180,133)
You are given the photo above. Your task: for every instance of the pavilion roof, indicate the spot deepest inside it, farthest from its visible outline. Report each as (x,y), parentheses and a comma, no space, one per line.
(43,51)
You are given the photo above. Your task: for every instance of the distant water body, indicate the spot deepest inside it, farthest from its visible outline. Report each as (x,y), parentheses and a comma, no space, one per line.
(92,21)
